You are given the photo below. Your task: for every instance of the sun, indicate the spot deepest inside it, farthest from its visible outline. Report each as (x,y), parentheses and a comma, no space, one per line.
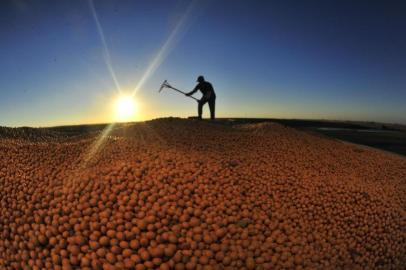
(125,109)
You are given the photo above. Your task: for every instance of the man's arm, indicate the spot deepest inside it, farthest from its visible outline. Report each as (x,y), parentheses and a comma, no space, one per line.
(194,90)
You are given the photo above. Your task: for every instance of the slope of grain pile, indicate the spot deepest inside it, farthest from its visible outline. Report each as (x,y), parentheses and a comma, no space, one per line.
(183,194)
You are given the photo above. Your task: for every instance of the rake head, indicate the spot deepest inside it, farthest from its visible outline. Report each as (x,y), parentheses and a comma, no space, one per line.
(163,85)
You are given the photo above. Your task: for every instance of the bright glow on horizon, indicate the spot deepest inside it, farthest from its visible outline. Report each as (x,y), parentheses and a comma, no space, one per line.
(125,109)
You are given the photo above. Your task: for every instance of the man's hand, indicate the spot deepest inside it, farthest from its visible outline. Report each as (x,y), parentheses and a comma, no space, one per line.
(187,94)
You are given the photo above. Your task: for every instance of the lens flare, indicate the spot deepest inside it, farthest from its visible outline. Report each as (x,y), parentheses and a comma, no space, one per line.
(106,52)
(166,46)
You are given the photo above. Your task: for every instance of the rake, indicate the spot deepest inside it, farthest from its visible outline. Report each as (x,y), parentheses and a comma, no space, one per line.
(165,84)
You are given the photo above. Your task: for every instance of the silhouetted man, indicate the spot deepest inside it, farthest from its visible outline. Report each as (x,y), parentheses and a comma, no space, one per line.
(208,96)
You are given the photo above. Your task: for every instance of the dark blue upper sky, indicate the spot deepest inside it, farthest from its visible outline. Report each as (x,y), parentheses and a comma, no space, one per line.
(287,59)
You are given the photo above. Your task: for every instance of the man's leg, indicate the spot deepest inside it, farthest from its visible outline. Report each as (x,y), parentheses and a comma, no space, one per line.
(212,105)
(200,107)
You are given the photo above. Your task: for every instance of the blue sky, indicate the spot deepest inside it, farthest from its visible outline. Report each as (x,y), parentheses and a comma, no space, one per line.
(342,60)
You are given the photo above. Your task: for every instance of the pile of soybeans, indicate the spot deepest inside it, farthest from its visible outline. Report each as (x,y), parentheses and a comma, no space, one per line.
(186,194)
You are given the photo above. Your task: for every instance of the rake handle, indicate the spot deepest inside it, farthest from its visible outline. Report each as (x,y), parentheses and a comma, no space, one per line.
(182,92)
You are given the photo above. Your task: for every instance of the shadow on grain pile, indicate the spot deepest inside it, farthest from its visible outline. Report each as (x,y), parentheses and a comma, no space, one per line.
(184,194)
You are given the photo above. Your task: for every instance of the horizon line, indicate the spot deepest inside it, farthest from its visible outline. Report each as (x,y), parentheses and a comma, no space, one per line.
(220,118)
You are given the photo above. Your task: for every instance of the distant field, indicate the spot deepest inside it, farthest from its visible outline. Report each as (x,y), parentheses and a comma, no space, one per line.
(393,141)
